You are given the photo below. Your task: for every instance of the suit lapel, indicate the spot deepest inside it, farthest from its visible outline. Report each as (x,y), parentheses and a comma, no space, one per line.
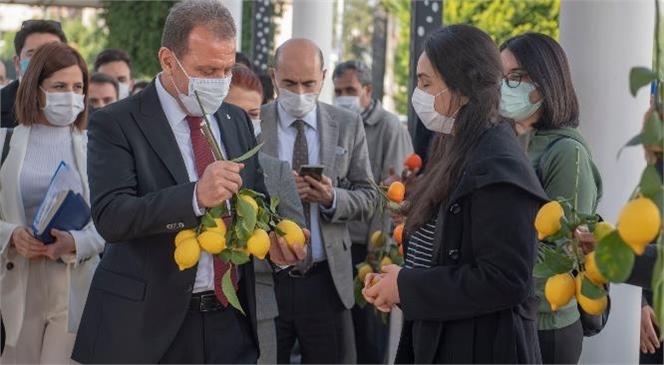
(80,146)
(12,198)
(329,135)
(269,131)
(229,133)
(157,131)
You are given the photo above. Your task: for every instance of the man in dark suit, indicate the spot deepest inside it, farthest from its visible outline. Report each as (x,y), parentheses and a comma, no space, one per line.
(151,175)
(33,33)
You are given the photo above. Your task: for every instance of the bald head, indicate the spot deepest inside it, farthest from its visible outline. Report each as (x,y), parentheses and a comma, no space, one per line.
(299,50)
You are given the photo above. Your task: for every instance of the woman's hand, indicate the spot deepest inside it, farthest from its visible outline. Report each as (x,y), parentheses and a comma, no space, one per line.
(64,244)
(381,290)
(26,244)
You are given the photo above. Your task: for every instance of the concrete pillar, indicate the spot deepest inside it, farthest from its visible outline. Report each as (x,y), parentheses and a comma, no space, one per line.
(235,7)
(603,40)
(312,19)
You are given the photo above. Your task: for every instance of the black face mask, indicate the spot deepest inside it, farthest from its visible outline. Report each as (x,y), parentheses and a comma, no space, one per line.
(92,109)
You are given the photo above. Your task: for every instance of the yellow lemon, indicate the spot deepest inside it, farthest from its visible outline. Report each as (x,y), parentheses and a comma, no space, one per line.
(592,306)
(187,253)
(220,228)
(602,229)
(559,290)
(547,221)
(251,202)
(592,272)
(363,271)
(378,239)
(212,242)
(385,261)
(259,243)
(293,232)
(639,223)
(183,235)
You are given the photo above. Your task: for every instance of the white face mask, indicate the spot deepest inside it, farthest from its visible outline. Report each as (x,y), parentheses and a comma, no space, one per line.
(298,105)
(62,109)
(257,127)
(123,90)
(211,92)
(515,101)
(423,103)
(351,103)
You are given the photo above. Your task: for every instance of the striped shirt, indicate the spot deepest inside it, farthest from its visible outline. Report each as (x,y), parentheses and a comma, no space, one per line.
(420,247)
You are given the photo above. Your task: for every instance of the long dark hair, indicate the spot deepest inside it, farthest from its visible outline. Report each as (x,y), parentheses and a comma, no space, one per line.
(469,62)
(546,63)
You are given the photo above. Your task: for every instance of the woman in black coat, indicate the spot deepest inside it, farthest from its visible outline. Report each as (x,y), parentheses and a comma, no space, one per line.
(466,290)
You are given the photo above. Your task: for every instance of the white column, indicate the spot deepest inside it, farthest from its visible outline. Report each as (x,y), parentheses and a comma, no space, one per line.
(312,19)
(603,40)
(235,7)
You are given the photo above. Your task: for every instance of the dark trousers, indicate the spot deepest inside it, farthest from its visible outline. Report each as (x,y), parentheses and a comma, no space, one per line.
(371,331)
(562,346)
(216,337)
(310,311)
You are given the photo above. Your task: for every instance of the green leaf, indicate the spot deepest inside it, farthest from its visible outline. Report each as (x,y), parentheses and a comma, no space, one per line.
(208,221)
(357,289)
(592,291)
(652,133)
(542,271)
(650,184)
(218,211)
(274,202)
(239,258)
(658,286)
(640,77)
(229,291)
(557,262)
(248,154)
(262,225)
(225,255)
(635,141)
(279,231)
(242,235)
(252,193)
(246,215)
(614,258)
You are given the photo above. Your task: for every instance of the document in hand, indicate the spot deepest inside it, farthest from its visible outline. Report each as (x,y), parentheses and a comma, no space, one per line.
(63,207)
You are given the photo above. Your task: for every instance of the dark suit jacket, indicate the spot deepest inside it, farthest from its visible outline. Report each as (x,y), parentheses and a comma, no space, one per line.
(477,304)
(141,197)
(7,101)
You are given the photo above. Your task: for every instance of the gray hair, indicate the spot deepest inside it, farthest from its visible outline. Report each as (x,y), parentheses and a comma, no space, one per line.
(361,70)
(187,14)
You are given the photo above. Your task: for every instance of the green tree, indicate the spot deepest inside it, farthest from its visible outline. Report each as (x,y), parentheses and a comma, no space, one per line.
(136,27)
(88,41)
(501,19)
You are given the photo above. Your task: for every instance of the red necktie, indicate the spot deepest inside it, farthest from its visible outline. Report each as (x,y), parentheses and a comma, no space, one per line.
(203,157)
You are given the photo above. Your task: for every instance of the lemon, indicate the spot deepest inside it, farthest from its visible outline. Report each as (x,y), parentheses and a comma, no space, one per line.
(378,239)
(559,290)
(363,271)
(385,261)
(220,228)
(592,272)
(592,306)
(639,223)
(259,243)
(547,221)
(183,235)
(251,202)
(293,232)
(602,229)
(212,242)
(187,253)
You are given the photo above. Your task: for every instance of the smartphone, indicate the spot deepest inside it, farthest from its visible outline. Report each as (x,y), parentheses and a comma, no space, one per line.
(315,171)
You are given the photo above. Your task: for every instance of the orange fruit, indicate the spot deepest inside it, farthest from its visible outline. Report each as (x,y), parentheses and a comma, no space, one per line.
(396,192)
(398,234)
(413,161)
(401,250)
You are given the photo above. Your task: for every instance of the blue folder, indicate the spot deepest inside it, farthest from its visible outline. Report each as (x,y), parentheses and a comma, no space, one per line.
(72,214)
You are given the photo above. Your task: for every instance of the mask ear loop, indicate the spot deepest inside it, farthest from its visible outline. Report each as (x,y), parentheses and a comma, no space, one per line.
(183,70)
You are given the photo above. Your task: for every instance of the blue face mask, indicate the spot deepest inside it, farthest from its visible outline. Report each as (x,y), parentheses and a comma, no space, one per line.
(24,65)
(515,101)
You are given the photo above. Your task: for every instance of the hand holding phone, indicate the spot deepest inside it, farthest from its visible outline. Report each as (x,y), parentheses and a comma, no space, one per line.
(315,171)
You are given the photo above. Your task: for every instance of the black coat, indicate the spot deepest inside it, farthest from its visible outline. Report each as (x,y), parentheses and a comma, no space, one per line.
(141,197)
(7,101)
(477,304)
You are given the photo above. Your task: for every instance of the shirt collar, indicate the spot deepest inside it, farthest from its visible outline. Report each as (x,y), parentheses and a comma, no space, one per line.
(286,119)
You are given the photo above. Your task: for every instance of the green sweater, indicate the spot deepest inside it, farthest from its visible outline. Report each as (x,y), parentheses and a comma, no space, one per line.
(558,174)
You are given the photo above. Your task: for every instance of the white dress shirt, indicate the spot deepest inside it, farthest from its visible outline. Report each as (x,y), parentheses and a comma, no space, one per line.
(176,119)
(287,133)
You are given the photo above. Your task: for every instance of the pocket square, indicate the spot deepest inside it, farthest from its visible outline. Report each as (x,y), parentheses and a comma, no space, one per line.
(340,150)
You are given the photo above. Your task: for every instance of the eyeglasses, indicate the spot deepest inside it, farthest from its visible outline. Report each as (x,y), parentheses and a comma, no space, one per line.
(31,22)
(513,79)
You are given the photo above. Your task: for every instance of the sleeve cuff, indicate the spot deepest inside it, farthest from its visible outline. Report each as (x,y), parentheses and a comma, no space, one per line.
(331,210)
(194,203)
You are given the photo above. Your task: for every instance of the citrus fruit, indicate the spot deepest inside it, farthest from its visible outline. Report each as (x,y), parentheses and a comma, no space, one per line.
(639,223)
(251,202)
(363,270)
(413,161)
(398,234)
(547,221)
(183,235)
(212,242)
(187,253)
(385,261)
(396,192)
(220,228)
(559,290)
(292,232)
(592,272)
(378,239)
(259,243)
(602,229)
